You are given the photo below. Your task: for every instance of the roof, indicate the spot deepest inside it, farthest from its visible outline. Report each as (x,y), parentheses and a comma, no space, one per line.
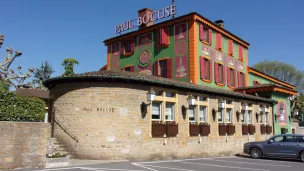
(27,92)
(158,25)
(266,87)
(138,78)
(261,74)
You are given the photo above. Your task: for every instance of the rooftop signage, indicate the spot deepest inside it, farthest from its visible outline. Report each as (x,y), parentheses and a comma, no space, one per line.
(147,18)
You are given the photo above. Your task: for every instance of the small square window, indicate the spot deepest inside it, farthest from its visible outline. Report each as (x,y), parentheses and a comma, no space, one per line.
(202,98)
(228,102)
(128,69)
(169,94)
(159,93)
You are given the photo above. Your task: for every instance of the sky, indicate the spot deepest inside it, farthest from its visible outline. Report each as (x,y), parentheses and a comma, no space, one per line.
(52,30)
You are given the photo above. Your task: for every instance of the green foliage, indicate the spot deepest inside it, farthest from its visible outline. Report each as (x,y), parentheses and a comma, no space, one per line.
(282,71)
(4,87)
(68,64)
(43,73)
(16,108)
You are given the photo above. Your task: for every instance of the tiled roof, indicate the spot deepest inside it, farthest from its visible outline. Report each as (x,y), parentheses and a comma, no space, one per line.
(118,75)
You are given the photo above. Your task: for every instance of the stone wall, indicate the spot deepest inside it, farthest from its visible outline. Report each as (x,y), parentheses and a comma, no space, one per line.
(295,126)
(23,144)
(118,129)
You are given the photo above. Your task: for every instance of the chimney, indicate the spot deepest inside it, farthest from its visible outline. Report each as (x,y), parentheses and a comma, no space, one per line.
(146,17)
(220,23)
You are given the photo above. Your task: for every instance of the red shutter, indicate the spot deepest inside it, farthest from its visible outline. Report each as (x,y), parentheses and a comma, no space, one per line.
(216,71)
(132,68)
(210,36)
(133,45)
(218,41)
(240,52)
(201,32)
(228,77)
(235,79)
(202,62)
(239,79)
(169,68)
(224,74)
(164,36)
(230,47)
(210,69)
(156,68)
(122,50)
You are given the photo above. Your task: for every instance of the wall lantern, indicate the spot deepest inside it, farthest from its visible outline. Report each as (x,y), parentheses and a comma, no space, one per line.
(296,112)
(263,108)
(244,106)
(221,103)
(282,111)
(191,100)
(151,95)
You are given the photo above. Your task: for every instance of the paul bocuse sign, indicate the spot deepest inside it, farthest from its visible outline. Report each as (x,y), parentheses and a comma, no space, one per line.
(155,15)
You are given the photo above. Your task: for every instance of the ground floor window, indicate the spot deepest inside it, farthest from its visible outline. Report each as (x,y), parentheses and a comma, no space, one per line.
(249,118)
(243,116)
(156,111)
(220,115)
(267,118)
(228,115)
(192,113)
(170,112)
(203,113)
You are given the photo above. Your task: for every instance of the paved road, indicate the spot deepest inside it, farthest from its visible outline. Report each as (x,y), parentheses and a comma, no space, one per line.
(200,164)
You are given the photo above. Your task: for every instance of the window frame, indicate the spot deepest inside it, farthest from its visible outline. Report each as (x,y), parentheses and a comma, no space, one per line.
(208,73)
(160,110)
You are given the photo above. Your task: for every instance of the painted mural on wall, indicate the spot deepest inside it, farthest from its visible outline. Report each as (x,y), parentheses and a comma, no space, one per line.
(145,45)
(181,50)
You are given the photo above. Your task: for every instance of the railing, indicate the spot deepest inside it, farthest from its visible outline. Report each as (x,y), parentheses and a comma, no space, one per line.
(301,124)
(66,130)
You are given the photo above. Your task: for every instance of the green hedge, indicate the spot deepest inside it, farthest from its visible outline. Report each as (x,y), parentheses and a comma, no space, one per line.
(16,108)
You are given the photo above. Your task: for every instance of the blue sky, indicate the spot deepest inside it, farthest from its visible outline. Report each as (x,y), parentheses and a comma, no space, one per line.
(54,29)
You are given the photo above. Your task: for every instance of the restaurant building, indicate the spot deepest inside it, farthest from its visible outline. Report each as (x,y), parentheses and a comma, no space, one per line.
(176,89)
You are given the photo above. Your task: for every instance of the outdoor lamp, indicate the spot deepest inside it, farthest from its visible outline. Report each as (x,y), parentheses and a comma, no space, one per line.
(191,100)
(221,103)
(263,108)
(244,106)
(282,111)
(296,112)
(151,95)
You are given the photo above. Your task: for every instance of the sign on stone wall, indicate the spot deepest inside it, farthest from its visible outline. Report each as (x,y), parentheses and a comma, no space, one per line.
(98,109)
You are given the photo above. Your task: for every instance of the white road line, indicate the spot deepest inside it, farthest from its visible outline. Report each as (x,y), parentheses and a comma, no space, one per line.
(88,168)
(171,168)
(231,167)
(249,163)
(166,161)
(266,160)
(143,167)
(65,168)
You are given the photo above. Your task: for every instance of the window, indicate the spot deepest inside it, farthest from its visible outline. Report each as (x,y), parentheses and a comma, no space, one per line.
(228,115)
(129,69)
(218,41)
(164,37)
(249,117)
(203,113)
(128,47)
(261,119)
(205,34)
(255,83)
(163,68)
(230,47)
(220,115)
(231,77)
(221,74)
(243,116)
(191,113)
(202,98)
(156,110)
(278,139)
(206,69)
(170,114)
(168,94)
(267,118)
(241,53)
(241,79)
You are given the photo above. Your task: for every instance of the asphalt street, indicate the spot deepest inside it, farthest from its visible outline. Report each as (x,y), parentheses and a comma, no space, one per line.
(232,163)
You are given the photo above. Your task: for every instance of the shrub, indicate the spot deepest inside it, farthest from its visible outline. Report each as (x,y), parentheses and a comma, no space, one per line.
(17,108)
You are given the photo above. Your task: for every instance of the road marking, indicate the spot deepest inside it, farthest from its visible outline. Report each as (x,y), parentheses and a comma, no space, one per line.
(143,167)
(58,168)
(231,167)
(249,163)
(95,169)
(267,160)
(166,161)
(171,168)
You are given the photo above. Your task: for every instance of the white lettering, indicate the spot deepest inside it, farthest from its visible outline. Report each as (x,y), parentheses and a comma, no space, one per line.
(139,21)
(173,10)
(152,16)
(167,13)
(131,24)
(117,30)
(146,19)
(159,14)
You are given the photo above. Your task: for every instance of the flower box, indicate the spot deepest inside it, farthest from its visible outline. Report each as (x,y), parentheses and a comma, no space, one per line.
(263,129)
(172,129)
(222,129)
(251,129)
(230,129)
(268,129)
(205,130)
(245,129)
(194,130)
(158,129)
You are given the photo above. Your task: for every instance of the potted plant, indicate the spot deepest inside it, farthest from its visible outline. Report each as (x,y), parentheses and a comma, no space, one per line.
(194,129)
(172,128)
(263,129)
(251,128)
(268,129)
(245,129)
(222,129)
(205,128)
(158,129)
(230,129)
